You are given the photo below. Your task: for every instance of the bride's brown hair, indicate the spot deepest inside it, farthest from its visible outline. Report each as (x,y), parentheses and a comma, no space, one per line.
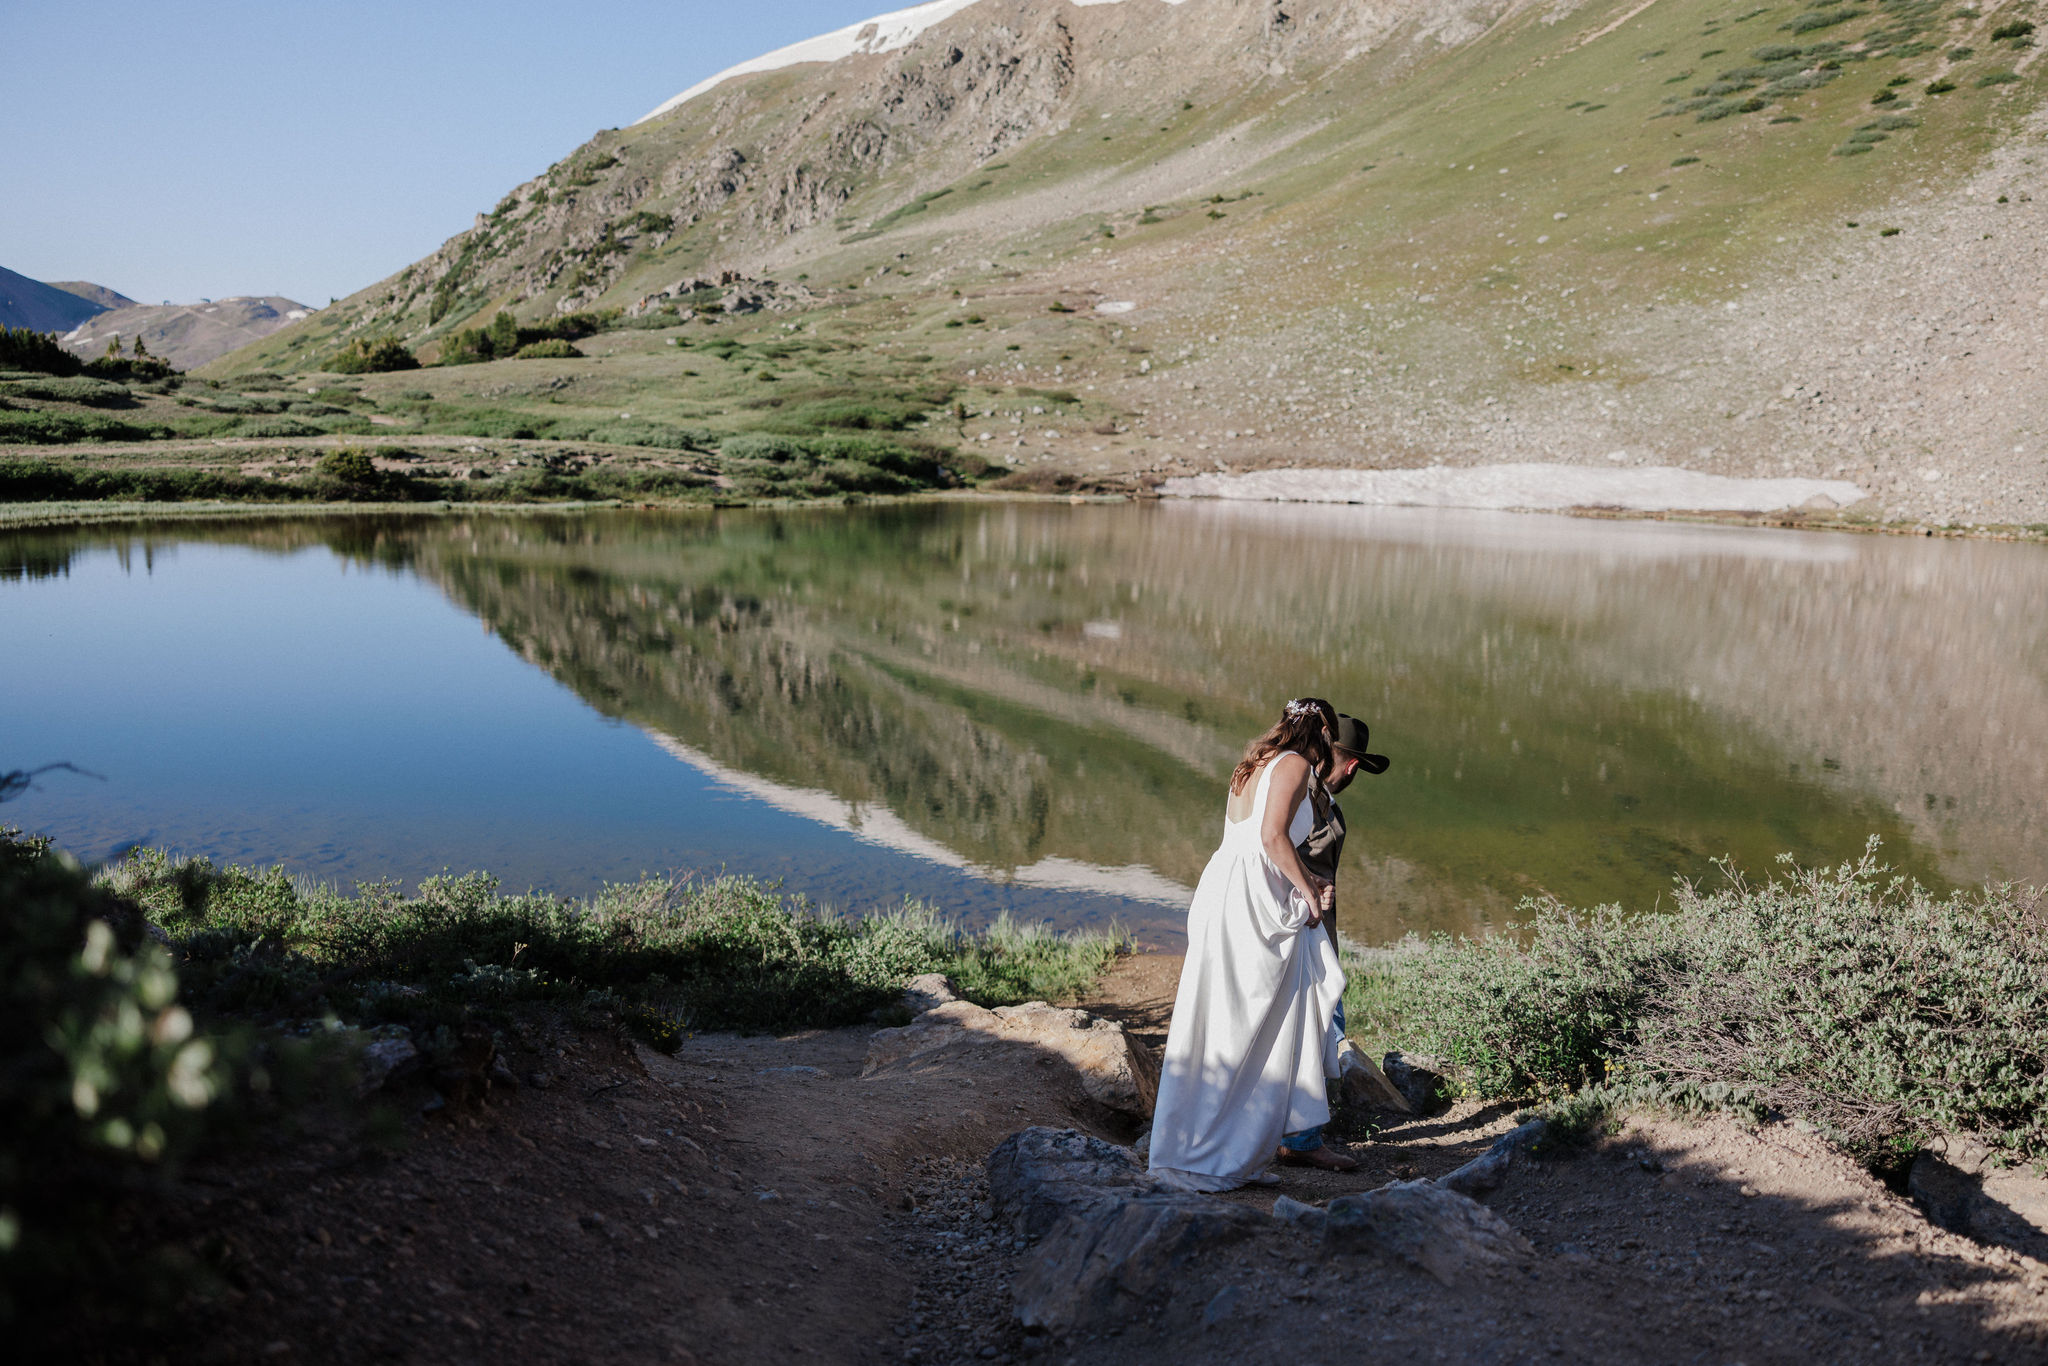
(1301,728)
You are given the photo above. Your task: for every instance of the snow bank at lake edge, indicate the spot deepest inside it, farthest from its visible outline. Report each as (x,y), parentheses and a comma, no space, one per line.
(1661,488)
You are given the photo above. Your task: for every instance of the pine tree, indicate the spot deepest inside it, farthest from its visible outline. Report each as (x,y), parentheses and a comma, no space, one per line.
(140,349)
(114,347)
(503,336)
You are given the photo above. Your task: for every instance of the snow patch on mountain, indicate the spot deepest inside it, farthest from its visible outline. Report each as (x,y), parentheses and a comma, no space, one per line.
(883,33)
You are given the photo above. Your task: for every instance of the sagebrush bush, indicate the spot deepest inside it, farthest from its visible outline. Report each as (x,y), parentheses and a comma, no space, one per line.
(1847,996)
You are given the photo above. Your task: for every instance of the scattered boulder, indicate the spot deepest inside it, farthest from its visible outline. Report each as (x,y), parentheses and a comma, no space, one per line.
(389,1054)
(1360,1082)
(928,991)
(1115,1069)
(1419,1081)
(1486,1171)
(1108,1235)
(1424,1224)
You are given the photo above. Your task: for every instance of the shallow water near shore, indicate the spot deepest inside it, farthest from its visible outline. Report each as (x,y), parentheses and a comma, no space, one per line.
(1028,707)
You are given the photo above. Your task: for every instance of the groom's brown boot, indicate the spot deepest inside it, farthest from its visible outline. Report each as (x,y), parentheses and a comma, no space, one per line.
(1325,1157)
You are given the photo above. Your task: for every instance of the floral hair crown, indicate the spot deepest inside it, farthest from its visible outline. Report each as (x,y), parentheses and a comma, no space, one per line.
(1296,709)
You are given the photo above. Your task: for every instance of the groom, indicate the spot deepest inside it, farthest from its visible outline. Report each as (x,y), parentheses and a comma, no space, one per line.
(1320,852)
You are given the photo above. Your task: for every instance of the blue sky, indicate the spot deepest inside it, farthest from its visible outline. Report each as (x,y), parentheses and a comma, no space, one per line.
(199,150)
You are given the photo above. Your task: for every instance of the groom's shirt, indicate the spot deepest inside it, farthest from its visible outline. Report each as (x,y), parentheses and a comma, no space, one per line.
(1324,844)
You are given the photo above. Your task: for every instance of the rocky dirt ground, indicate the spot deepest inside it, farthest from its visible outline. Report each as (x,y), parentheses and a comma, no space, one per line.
(754,1199)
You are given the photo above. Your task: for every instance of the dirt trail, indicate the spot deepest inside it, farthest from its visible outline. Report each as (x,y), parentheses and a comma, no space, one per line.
(753,1199)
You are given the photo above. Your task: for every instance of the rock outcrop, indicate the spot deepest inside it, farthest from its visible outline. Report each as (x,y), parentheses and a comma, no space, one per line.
(1424,1224)
(1109,1237)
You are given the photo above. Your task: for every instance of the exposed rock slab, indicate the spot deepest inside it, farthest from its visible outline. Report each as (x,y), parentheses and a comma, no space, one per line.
(1038,1176)
(1115,1069)
(1424,1224)
(1109,1236)
(928,991)
(1486,1171)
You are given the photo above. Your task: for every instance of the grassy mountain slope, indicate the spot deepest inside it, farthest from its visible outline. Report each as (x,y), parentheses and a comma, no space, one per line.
(1386,234)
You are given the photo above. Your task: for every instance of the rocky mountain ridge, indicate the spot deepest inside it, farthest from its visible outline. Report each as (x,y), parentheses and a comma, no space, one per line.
(1371,234)
(42,307)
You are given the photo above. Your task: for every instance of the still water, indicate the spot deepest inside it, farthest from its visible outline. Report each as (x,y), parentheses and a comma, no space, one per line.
(1028,707)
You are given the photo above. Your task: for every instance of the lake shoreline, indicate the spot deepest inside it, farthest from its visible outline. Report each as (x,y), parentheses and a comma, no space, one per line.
(40,516)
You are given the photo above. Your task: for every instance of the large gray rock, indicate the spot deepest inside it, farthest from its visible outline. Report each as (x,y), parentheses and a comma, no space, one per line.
(928,991)
(1360,1082)
(1036,1177)
(1114,1068)
(1449,1235)
(1108,1235)
(1100,1263)
(1486,1171)
(388,1054)
(1418,1081)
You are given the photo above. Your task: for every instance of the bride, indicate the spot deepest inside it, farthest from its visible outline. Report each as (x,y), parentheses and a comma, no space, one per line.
(1251,1039)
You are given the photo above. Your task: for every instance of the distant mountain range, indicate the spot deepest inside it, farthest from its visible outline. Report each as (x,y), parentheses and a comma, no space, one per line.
(186,335)
(86,317)
(52,307)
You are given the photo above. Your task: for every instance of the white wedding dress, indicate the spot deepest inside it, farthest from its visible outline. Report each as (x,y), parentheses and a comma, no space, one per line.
(1252,1038)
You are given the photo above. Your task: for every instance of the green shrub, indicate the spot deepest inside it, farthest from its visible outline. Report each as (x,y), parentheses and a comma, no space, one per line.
(2017,28)
(21,349)
(1820,18)
(1846,996)
(41,427)
(724,953)
(1991,78)
(1683,161)
(554,348)
(96,393)
(39,481)
(373,355)
(276,426)
(1940,87)
(103,1081)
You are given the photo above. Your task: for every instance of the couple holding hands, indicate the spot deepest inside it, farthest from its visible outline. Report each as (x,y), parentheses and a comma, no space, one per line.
(1260,1010)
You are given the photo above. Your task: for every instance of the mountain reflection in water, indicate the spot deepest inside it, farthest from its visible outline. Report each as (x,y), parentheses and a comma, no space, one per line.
(1054,694)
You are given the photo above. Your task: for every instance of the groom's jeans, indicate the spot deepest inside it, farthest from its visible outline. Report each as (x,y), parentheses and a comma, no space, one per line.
(1308,1140)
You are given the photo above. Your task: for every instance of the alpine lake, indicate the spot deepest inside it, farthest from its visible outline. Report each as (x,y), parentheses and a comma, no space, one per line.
(1027,707)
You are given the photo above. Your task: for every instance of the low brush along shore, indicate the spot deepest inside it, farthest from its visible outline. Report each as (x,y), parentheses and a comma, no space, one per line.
(267,1121)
